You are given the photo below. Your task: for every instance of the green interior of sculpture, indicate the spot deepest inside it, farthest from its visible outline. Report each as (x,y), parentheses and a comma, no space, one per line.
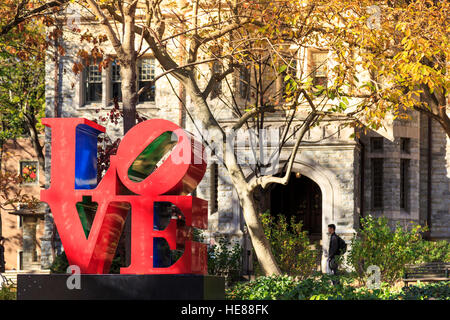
(86,210)
(148,160)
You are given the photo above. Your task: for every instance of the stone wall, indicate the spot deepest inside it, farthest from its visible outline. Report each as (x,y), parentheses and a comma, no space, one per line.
(392,155)
(440,180)
(416,129)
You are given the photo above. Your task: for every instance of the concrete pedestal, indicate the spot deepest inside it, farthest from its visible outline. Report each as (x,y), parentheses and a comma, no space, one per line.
(120,287)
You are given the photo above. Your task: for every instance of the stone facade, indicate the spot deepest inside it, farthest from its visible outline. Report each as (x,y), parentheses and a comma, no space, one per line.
(427,199)
(435,158)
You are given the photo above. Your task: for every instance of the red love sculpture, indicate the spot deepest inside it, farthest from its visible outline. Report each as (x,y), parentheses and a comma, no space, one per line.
(134,183)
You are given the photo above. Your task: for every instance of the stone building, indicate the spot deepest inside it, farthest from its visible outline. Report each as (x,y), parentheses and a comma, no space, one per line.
(401,172)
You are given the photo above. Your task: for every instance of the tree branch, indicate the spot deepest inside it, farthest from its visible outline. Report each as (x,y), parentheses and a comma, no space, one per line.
(267,180)
(251,114)
(165,73)
(310,119)
(39,10)
(108,28)
(216,79)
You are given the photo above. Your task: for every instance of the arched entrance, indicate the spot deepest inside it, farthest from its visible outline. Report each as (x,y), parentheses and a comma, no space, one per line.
(301,198)
(330,194)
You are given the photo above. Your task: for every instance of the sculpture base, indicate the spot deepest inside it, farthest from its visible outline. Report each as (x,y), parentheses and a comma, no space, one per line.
(120,287)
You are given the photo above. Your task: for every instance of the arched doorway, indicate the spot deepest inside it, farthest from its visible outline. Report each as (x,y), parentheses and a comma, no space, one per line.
(301,198)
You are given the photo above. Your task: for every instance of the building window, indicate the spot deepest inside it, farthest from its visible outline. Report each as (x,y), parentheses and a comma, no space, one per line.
(116,81)
(405,145)
(146,77)
(19,221)
(244,82)
(376,144)
(214,183)
(29,172)
(319,68)
(377,183)
(20,262)
(93,83)
(404,184)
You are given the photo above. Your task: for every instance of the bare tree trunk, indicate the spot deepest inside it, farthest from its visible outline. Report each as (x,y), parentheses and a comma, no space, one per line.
(128,72)
(260,243)
(129,100)
(128,69)
(129,94)
(255,229)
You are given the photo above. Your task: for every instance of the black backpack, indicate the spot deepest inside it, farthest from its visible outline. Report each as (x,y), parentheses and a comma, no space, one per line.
(342,246)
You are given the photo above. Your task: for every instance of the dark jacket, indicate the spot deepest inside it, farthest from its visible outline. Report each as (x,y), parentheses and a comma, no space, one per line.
(334,246)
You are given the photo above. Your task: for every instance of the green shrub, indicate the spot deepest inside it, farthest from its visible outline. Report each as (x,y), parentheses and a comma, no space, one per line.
(290,245)
(433,251)
(390,250)
(225,259)
(263,288)
(8,292)
(317,287)
(60,264)
(424,291)
(320,287)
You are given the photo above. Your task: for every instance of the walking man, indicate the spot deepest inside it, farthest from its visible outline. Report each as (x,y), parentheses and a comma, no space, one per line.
(336,248)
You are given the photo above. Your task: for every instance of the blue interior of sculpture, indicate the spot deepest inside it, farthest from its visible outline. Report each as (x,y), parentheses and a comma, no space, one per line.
(86,157)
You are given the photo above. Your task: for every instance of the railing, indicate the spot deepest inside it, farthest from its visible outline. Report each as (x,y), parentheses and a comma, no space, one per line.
(428,272)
